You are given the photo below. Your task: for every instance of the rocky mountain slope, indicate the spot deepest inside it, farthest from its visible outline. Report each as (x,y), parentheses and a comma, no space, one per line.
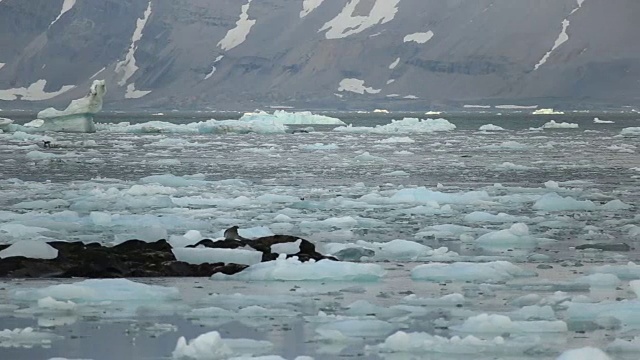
(333,54)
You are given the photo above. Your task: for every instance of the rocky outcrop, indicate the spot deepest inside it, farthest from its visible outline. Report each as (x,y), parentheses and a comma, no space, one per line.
(337,54)
(136,258)
(133,258)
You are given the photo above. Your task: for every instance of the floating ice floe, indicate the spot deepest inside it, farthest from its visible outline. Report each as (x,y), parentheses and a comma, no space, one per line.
(586,353)
(394,250)
(406,125)
(292,118)
(500,324)
(547,111)
(495,271)
(420,343)
(630,271)
(293,270)
(202,127)
(26,337)
(507,145)
(491,127)
(563,125)
(320,146)
(210,346)
(422,195)
(630,131)
(623,312)
(516,237)
(555,202)
(454,299)
(511,166)
(397,140)
(350,328)
(625,346)
(101,290)
(236,302)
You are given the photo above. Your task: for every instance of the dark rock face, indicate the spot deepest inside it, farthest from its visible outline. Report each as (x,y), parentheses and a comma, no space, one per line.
(133,258)
(479,52)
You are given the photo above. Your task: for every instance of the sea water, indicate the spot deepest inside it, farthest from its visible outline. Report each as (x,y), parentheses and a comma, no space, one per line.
(473,234)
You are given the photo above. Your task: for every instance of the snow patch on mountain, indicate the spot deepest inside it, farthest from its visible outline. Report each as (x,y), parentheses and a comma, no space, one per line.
(132,93)
(308,6)
(238,35)
(346,24)
(562,38)
(213,67)
(394,64)
(33,92)
(66,6)
(419,37)
(356,86)
(128,67)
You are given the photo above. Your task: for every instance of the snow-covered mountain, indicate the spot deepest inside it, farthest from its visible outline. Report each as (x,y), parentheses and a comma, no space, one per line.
(243,54)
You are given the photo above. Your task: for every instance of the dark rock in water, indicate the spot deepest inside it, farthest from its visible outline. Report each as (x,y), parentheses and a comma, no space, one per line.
(307,249)
(136,258)
(220,244)
(133,258)
(263,244)
(605,247)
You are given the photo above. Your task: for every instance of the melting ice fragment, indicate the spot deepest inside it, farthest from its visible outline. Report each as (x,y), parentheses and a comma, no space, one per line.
(26,337)
(495,271)
(402,342)
(406,126)
(499,324)
(101,290)
(585,353)
(210,346)
(293,270)
(292,118)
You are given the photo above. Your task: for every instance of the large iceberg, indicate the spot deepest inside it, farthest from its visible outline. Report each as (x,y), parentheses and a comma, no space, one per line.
(78,116)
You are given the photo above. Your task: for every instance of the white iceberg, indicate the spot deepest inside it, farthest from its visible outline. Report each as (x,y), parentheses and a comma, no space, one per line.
(547,112)
(292,118)
(210,346)
(562,125)
(78,116)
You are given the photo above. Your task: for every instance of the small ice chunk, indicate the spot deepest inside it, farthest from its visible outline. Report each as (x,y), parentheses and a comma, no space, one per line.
(600,280)
(555,202)
(26,337)
(358,327)
(563,125)
(210,346)
(491,127)
(101,290)
(499,324)
(585,353)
